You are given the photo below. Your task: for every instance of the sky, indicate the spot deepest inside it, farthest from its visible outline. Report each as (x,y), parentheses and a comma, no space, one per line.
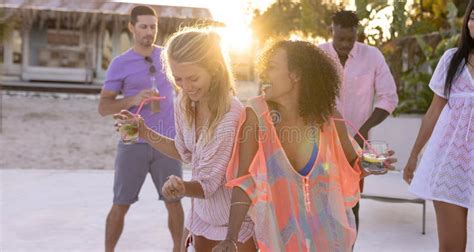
(235,14)
(222,10)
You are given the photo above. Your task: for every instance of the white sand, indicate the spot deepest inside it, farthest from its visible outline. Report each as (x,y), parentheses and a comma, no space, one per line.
(60,131)
(49,132)
(52,131)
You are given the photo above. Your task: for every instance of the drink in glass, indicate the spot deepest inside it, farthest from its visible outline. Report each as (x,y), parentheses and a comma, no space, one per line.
(374,156)
(129,132)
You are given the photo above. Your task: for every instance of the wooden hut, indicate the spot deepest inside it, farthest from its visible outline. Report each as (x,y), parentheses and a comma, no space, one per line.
(74,41)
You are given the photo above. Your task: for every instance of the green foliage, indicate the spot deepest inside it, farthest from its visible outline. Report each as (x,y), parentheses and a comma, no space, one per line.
(366,11)
(284,17)
(418,22)
(400,17)
(416,95)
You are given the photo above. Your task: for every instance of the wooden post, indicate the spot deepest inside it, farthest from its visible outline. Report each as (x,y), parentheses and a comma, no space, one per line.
(116,31)
(25,61)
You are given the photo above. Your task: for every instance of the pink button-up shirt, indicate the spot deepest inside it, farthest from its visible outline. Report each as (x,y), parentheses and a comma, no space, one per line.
(366,84)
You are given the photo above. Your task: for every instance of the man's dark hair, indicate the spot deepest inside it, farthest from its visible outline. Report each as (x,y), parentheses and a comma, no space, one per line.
(140,10)
(345,19)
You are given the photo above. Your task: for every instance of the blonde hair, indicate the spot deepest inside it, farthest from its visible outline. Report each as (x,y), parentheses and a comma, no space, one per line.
(202,47)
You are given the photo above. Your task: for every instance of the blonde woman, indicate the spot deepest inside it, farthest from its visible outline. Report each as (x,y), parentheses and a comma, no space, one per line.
(206,118)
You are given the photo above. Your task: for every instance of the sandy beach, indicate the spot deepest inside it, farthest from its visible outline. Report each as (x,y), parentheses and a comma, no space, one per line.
(57,145)
(61,131)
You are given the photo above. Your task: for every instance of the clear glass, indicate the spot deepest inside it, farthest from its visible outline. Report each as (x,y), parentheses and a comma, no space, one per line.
(129,131)
(374,156)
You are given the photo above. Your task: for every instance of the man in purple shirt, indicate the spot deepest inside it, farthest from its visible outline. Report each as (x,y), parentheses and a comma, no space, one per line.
(134,73)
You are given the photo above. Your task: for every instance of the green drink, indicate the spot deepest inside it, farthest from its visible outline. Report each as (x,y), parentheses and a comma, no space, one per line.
(129,133)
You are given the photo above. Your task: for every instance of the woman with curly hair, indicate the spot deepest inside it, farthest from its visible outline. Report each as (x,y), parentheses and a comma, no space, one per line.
(294,168)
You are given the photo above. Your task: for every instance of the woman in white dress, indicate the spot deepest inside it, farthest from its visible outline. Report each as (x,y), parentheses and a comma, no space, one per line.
(445,173)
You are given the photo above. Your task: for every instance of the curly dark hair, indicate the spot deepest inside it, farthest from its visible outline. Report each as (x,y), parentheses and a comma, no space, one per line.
(320,78)
(345,19)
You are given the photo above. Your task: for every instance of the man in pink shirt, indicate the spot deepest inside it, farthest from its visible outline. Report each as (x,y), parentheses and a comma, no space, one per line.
(368,94)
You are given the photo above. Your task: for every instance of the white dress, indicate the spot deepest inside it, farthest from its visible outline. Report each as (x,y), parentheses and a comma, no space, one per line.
(446,169)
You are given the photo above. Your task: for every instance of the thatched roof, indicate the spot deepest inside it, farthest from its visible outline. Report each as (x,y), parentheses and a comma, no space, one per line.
(93,15)
(105,7)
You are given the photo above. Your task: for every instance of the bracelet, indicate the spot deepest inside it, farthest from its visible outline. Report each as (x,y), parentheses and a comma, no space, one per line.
(240,203)
(235,244)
